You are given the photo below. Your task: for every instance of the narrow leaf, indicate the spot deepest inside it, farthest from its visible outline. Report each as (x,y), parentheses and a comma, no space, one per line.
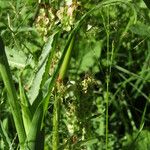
(66,60)
(11,93)
(5,136)
(147,2)
(25,107)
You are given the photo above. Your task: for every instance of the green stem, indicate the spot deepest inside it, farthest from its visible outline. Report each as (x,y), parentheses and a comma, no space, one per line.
(56,111)
(107,75)
(12,96)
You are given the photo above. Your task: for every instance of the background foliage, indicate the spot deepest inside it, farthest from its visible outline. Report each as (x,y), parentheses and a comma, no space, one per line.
(105,96)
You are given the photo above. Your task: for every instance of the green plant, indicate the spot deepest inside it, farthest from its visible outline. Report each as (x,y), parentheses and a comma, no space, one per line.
(30,112)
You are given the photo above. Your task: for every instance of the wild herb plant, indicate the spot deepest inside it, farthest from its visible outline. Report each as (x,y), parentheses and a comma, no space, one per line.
(90,108)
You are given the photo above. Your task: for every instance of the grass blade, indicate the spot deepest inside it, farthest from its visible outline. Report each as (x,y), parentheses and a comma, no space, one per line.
(5,136)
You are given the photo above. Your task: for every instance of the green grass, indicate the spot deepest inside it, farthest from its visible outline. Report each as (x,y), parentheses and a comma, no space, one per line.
(74,77)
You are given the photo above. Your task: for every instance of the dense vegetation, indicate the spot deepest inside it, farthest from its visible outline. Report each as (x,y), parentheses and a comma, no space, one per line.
(78,74)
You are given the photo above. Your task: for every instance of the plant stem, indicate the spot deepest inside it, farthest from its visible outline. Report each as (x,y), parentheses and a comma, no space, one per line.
(56,111)
(107,75)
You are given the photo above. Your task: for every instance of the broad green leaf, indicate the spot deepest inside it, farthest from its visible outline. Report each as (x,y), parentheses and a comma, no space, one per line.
(90,58)
(141,29)
(34,91)
(16,58)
